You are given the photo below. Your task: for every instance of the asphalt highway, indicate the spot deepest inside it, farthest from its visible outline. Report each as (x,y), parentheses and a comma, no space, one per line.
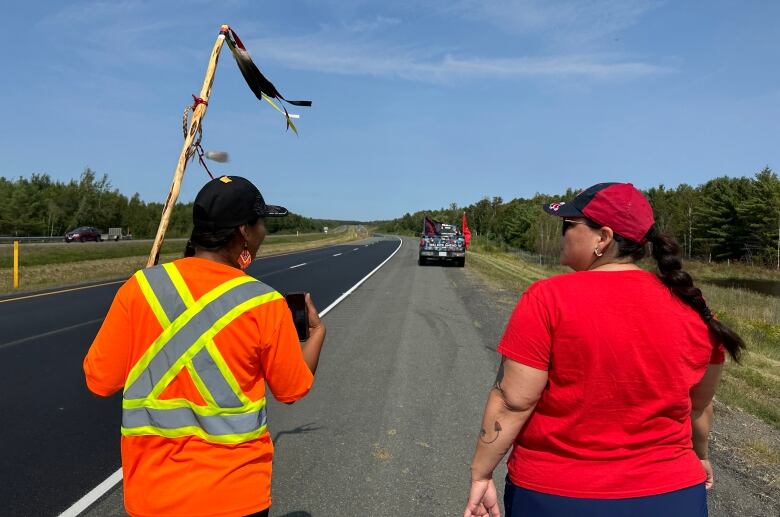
(57,441)
(390,425)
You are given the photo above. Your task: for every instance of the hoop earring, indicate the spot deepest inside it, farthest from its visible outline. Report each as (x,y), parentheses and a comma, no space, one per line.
(245,258)
(598,252)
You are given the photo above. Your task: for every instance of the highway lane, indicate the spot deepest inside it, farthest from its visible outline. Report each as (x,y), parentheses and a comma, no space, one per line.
(57,441)
(390,425)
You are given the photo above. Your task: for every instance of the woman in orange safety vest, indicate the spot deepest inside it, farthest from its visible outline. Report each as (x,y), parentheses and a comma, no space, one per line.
(193,344)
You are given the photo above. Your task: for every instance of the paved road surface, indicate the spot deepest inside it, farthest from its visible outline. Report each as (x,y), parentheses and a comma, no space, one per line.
(390,425)
(387,430)
(56,440)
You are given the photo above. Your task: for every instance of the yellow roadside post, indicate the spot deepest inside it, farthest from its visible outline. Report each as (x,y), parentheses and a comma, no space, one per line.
(16,264)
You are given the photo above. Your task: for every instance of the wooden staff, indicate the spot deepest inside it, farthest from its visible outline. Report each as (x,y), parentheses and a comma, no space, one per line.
(197,115)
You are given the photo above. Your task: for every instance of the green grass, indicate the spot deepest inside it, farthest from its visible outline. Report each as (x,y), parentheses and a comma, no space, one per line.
(703,271)
(753,385)
(54,265)
(37,254)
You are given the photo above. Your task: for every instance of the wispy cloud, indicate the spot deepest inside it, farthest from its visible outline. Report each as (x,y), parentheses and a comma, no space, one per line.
(114,34)
(322,53)
(370,24)
(572,21)
(117,34)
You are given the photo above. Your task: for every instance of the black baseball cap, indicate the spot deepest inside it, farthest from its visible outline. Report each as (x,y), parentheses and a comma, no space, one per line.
(230,201)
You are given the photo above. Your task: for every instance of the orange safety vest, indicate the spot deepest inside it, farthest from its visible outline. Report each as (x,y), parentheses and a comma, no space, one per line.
(229,416)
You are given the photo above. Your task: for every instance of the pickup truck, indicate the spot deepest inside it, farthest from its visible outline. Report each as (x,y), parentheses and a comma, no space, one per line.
(441,242)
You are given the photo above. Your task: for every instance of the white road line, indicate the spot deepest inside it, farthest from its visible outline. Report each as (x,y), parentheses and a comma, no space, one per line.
(93,495)
(50,333)
(355,249)
(125,280)
(337,254)
(352,289)
(297,265)
(112,480)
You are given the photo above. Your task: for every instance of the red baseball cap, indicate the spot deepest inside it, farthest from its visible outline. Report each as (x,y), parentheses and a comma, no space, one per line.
(621,206)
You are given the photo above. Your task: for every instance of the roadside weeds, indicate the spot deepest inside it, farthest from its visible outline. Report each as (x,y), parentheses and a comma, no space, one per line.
(753,385)
(83,270)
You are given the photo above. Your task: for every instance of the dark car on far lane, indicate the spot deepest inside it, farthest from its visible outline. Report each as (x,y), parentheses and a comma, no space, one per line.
(83,234)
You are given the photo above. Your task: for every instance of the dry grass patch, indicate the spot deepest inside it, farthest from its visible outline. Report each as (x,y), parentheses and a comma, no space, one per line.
(81,271)
(753,386)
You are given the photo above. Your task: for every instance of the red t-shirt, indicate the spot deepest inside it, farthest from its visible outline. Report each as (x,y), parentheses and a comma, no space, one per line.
(622,353)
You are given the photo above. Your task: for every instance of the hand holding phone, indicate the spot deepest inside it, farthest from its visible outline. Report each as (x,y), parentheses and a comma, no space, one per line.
(300,313)
(309,327)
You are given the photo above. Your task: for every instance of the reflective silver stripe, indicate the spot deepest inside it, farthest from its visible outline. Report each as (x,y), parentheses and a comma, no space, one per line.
(199,324)
(216,425)
(214,380)
(165,291)
(173,305)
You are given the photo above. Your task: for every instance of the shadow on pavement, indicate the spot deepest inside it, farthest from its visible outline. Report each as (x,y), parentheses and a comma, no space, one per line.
(305,428)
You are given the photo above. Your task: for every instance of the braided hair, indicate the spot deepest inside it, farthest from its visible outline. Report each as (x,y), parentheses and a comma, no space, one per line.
(211,240)
(667,254)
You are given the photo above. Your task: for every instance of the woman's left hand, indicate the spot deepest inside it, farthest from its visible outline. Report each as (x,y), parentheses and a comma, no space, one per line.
(483,499)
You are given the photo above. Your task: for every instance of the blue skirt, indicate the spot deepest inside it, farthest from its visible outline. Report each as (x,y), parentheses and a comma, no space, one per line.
(688,502)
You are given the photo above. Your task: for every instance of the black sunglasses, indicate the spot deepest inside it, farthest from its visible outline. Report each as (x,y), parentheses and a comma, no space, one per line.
(568,223)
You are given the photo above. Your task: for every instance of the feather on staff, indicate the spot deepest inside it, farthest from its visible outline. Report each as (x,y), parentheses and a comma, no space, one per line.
(260,86)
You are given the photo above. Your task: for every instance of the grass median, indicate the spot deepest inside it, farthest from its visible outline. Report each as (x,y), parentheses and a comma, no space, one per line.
(44,266)
(753,385)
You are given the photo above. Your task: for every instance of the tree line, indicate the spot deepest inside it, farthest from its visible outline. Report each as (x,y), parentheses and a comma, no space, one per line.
(39,206)
(723,219)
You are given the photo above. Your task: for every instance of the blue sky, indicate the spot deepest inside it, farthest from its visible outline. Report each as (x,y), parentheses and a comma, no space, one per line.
(416,104)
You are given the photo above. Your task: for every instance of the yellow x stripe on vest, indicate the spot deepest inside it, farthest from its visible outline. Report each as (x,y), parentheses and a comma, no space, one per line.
(186,342)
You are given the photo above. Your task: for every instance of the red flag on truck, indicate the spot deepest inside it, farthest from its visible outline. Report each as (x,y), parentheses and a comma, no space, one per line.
(465,230)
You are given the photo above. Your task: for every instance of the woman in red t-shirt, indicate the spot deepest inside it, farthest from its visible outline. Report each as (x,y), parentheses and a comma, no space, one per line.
(606,382)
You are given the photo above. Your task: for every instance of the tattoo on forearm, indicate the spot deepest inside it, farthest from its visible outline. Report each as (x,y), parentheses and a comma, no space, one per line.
(482,433)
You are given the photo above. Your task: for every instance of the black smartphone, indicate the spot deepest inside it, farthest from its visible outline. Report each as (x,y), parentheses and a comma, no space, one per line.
(297,304)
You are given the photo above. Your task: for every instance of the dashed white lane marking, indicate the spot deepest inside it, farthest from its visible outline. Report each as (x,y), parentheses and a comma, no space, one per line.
(337,254)
(61,291)
(38,295)
(100,490)
(50,333)
(355,249)
(297,265)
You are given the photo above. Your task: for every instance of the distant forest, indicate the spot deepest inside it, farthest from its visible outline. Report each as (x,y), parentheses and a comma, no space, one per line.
(39,206)
(725,218)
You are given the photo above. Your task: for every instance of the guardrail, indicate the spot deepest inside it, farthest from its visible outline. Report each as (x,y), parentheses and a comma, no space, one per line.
(10,240)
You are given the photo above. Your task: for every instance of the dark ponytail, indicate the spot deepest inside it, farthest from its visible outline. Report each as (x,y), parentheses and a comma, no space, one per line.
(667,254)
(189,249)
(212,240)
